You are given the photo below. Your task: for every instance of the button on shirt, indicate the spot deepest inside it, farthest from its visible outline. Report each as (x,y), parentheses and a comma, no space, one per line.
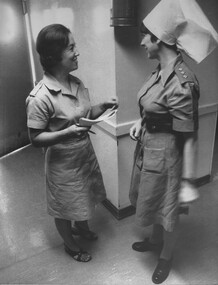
(52,107)
(173,92)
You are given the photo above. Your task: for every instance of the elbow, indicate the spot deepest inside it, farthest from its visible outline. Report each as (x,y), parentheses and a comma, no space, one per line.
(34,138)
(34,142)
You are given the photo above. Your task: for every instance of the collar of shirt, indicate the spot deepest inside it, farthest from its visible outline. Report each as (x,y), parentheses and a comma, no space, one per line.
(156,75)
(52,84)
(167,71)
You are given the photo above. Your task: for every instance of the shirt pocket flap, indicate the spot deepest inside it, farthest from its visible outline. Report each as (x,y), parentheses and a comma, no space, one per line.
(153,160)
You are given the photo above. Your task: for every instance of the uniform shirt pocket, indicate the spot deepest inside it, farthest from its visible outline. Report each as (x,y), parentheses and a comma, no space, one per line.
(153,160)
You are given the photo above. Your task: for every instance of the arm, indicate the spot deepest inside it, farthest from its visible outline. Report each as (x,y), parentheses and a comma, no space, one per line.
(183,106)
(99,109)
(41,138)
(189,155)
(188,191)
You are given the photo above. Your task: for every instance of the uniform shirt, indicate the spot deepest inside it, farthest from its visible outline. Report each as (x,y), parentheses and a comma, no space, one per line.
(52,107)
(173,92)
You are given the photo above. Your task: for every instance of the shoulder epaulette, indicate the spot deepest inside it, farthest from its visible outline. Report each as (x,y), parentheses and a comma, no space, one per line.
(36,88)
(184,73)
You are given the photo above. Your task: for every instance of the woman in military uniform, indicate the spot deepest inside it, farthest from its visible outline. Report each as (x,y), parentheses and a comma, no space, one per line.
(74,182)
(163,172)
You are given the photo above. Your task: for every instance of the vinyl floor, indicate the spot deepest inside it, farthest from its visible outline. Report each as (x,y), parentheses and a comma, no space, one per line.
(31,251)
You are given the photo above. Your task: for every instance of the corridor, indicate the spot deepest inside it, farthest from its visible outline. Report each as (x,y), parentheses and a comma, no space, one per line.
(32,251)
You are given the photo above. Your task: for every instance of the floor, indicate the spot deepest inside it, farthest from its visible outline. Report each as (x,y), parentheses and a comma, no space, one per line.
(32,251)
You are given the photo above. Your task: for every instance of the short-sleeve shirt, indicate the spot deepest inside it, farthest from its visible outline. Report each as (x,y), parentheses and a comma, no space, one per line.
(52,107)
(173,92)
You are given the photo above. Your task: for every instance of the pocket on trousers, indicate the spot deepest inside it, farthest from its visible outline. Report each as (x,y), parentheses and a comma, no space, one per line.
(139,162)
(153,160)
(138,155)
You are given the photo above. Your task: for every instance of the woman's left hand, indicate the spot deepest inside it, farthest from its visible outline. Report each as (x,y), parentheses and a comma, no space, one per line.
(110,103)
(188,193)
(99,109)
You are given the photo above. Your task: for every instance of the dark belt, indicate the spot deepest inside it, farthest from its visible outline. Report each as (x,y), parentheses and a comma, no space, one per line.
(154,126)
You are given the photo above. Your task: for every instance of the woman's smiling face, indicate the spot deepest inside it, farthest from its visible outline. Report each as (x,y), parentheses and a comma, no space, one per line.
(151,46)
(69,56)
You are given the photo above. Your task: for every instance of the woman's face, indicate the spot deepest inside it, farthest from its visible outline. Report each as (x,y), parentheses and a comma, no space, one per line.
(69,56)
(151,47)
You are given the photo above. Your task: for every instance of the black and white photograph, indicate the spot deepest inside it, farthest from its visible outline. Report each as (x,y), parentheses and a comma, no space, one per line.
(109,142)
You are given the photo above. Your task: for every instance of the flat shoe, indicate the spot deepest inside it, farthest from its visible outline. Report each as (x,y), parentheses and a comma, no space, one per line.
(81,255)
(86,234)
(161,271)
(146,245)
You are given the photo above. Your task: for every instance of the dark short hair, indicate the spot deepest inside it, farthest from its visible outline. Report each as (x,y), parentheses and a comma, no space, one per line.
(144,30)
(50,44)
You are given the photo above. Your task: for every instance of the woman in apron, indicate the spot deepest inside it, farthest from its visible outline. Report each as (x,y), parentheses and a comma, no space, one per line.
(74,182)
(163,173)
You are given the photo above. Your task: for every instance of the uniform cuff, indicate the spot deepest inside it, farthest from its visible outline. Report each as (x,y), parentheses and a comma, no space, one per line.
(36,125)
(184,126)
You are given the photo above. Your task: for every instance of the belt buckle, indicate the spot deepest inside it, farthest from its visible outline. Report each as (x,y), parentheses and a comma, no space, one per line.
(153,128)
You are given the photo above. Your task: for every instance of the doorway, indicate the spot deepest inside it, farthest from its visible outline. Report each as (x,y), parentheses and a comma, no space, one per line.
(15,76)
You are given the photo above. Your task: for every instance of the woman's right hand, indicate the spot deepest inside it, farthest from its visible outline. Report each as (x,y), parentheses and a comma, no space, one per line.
(135,130)
(76,130)
(41,138)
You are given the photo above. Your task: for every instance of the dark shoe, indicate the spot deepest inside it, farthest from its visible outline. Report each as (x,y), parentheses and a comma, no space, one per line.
(162,271)
(86,234)
(81,256)
(146,245)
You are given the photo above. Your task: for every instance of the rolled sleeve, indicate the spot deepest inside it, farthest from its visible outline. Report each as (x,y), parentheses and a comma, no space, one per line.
(183,106)
(37,113)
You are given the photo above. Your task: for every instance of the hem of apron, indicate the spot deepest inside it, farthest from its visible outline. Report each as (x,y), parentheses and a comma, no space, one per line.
(71,218)
(75,217)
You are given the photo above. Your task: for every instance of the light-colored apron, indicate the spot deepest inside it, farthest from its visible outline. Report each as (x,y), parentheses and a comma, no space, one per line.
(74,183)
